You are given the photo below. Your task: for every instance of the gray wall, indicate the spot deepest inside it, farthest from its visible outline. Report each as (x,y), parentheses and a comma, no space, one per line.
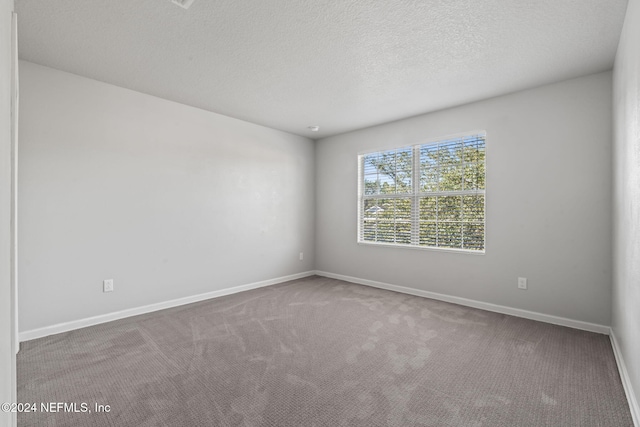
(167,200)
(7,353)
(548,203)
(626,235)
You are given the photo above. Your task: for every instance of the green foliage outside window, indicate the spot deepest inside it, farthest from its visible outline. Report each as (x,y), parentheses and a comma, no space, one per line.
(445,209)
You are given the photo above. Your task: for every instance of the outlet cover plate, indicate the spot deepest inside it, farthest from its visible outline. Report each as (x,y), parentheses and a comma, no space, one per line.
(522,283)
(107,285)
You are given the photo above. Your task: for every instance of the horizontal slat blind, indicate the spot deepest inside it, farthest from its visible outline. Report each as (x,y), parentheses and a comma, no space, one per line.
(430,195)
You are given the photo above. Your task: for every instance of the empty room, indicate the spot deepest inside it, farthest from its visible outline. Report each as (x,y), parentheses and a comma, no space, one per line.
(328,213)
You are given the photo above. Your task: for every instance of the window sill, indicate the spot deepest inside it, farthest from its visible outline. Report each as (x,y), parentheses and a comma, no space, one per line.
(423,248)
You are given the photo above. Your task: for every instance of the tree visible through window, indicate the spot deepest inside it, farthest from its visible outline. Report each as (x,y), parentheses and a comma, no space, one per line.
(430,195)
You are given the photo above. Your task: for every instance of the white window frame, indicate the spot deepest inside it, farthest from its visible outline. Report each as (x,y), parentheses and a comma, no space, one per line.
(416,194)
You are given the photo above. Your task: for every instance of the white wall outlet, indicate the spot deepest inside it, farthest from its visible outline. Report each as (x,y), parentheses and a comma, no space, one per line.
(107,285)
(522,283)
(301,256)
(185,4)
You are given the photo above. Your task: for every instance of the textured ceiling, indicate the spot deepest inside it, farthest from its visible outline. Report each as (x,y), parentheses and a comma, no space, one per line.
(339,64)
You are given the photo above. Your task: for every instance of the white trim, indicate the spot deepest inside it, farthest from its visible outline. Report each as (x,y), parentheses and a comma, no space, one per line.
(102,318)
(422,248)
(634,406)
(532,315)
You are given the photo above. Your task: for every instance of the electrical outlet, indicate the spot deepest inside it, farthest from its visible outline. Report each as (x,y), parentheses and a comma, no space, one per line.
(522,283)
(185,4)
(301,256)
(107,285)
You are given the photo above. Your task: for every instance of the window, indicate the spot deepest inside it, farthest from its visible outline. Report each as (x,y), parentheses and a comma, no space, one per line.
(430,195)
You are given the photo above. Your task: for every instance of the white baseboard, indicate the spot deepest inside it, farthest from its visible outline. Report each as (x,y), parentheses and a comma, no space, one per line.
(95,320)
(562,321)
(634,406)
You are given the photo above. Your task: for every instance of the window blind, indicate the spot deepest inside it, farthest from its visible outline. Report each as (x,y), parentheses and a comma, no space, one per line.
(429,195)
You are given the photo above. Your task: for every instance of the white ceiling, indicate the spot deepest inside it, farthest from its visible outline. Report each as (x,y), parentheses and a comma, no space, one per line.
(339,64)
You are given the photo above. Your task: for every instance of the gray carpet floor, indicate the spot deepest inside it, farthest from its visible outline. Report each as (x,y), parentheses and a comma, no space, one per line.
(322,352)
